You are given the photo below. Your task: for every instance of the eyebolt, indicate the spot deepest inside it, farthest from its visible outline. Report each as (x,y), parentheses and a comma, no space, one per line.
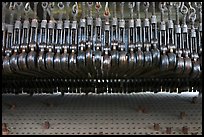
(60,5)
(44,5)
(90,4)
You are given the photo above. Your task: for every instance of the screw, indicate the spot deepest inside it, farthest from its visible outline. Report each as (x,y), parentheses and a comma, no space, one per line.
(185,130)
(100,133)
(182,115)
(156,126)
(46,125)
(168,130)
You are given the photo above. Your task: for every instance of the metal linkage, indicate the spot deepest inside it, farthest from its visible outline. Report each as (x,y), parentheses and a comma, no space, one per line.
(104,52)
(33,41)
(9,41)
(185,42)
(193,44)
(16,38)
(178,43)
(43,38)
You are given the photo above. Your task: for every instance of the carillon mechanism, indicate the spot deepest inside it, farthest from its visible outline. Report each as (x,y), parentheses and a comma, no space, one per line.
(97,47)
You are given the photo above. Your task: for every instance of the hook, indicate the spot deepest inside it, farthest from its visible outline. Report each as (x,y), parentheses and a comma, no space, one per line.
(131,4)
(177,4)
(162,6)
(75,9)
(192,15)
(107,12)
(12,7)
(184,9)
(146,5)
(27,7)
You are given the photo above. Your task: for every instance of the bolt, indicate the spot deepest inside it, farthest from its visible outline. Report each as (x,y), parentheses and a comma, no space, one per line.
(156,126)
(168,130)
(182,115)
(185,130)
(194,100)
(46,125)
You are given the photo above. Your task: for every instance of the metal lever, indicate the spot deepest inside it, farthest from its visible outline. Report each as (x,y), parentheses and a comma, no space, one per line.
(185,42)
(89,41)
(8,45)
(66,41)
(131,38)
(162,38)
(154,38)
(82,41)
(114,42)
(139,46)
(178,43)
(193,44)
(22,59)
(98,43)
(58,39)
(146,38)
(49,59)
(73,42)
(106,57)
(32,55)
(16,38)
(43,38)
(199,6)
(170,38)
(123,60)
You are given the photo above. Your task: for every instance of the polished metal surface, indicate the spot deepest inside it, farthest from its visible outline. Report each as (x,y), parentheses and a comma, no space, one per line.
(80,45)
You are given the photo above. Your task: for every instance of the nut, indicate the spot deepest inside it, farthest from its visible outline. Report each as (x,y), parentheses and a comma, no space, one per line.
(4,125)
(5,131)
(196,133)
(46,125)
(156,126)
(185,130)
(194,100)
(12,106)
(168,130)
(182,115)
(142,109)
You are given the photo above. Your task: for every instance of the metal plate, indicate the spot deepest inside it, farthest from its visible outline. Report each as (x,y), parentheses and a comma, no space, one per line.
(102,114)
